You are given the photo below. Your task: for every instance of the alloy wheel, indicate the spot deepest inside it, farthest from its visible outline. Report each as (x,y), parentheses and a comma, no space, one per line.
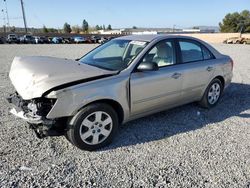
(214,93)
(96,127)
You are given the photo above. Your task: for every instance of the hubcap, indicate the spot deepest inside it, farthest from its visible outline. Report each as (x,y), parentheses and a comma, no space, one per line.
(214,93)
(96,127)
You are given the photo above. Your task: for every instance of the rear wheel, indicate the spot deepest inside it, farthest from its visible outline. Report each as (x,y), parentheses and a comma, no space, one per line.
(93,127)
(212,94)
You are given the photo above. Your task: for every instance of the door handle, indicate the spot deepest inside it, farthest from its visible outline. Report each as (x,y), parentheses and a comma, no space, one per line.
(209,69)
(176,75)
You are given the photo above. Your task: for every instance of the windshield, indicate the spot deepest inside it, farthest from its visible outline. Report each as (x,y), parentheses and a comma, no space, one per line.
(114,55)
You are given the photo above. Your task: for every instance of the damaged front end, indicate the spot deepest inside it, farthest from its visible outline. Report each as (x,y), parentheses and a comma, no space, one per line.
(34,112)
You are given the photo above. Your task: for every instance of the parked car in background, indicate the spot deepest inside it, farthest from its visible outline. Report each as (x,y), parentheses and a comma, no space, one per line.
(12,38)
(45,39)
(79,40)
(39,40)
(235,40)
(246,41)
(230,40)
(57,40)
(102,40)
(95,39)
(27,39)
(87,99)
(2,41)
(68,40)
(49,39)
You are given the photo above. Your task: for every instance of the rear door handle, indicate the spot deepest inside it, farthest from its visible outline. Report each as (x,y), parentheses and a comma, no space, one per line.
(176,75)
(209,69)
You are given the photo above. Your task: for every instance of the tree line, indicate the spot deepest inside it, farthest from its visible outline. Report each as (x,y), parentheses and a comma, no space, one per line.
(231,23)
(85,28)
(236,22)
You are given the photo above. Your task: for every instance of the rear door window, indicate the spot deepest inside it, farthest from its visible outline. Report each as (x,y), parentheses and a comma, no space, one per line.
(190,51)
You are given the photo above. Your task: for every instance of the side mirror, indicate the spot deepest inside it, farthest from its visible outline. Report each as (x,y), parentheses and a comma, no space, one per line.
(148,66)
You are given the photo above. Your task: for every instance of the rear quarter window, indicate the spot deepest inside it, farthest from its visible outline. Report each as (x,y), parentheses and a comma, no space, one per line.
(207,54)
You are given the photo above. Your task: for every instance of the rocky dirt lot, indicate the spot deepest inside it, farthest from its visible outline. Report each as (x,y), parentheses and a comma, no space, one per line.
(184,147)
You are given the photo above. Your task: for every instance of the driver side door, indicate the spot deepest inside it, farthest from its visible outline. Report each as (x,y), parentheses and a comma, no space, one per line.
(152,91)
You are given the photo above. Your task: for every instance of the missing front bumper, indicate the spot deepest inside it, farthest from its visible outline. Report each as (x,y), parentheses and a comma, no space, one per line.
(21,114)
(34,113)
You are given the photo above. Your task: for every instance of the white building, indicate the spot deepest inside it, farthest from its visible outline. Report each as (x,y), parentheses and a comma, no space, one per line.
(108,32)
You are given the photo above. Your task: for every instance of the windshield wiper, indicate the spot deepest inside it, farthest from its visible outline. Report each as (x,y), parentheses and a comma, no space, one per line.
(100,67)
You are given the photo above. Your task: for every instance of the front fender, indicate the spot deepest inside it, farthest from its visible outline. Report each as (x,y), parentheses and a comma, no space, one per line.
(72,99)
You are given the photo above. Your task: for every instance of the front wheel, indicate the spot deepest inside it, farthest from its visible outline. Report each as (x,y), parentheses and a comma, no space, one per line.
(212,94)
(93,127)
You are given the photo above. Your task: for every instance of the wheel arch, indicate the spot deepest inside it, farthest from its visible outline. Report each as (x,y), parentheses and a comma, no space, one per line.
(221,78)
(114,104)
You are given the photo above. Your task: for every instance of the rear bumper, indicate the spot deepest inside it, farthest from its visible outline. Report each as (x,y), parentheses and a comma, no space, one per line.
(228,79)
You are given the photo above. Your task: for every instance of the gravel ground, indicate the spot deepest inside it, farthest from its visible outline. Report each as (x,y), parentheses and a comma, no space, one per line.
(184,147)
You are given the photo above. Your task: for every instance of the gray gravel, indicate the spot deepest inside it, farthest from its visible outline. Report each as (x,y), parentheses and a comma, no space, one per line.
(184,147)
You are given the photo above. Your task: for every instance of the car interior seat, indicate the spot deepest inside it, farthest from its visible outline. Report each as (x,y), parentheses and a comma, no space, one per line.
(164,55)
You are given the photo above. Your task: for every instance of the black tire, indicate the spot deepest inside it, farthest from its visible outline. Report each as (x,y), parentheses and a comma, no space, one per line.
(204,102)
(74,128)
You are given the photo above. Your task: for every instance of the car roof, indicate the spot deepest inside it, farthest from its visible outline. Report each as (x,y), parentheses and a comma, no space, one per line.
(149,38)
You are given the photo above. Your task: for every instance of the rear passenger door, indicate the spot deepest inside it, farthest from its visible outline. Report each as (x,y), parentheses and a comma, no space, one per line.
(197,67)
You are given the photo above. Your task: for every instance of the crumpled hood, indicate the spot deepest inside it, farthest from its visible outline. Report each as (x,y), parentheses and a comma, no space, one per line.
(34,75)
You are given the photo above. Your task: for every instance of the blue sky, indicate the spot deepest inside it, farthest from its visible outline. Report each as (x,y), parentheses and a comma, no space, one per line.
(123,13)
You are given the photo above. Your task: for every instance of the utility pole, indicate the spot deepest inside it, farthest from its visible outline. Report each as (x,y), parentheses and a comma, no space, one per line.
(24,18)
(173,28)
(4,26)
(7,15)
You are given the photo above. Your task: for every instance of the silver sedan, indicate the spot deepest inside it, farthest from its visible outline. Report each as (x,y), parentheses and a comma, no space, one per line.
(124,79)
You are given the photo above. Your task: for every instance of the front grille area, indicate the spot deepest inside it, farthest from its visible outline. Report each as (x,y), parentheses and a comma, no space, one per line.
(33,107)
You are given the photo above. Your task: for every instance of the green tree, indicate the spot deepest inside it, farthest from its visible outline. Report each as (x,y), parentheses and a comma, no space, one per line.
(85,26)
(134,27)
(109,27)
(247,30)
(45,29)
(236,22)
(97,27)
(67,28)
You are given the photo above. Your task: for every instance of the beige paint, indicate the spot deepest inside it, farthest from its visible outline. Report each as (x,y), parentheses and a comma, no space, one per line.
(138,93)
(32,76)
